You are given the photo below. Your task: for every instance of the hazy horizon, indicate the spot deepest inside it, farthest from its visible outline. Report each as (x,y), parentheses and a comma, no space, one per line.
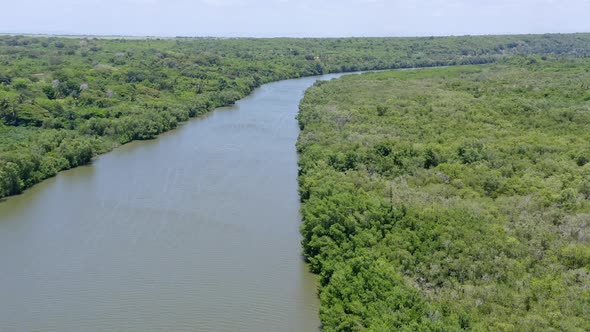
(137,36)
(288,18)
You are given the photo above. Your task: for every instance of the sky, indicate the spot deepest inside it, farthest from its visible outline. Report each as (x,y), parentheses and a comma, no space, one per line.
(293,18)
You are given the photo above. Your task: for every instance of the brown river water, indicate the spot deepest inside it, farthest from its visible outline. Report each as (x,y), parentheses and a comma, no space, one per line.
(197,230)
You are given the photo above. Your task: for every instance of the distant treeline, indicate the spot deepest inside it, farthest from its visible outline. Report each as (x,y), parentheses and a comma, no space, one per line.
(64,100)
(450,199)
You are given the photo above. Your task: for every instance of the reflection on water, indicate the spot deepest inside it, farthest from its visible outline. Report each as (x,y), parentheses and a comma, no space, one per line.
(194,231)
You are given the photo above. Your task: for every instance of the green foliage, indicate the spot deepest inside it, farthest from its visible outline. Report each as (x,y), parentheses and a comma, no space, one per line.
(113,91)
(450,199)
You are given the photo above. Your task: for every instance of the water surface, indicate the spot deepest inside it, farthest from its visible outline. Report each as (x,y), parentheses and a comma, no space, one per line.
(194,231)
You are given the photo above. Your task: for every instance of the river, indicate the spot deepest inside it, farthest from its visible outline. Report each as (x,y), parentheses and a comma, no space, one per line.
(196,230)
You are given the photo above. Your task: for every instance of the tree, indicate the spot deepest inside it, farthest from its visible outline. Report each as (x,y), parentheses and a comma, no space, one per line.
(10,183)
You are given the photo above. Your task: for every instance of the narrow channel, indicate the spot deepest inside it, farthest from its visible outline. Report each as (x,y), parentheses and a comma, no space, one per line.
(194,231)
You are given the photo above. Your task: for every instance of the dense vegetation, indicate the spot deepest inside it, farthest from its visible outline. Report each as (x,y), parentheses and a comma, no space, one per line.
(450,199)
(63,100)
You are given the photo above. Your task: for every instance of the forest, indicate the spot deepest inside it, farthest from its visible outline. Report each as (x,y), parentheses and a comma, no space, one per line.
(64,100)
(450,199)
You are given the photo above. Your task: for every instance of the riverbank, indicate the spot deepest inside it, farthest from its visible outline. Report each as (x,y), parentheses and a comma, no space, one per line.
(195,230)
(65,100)
(449,199)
